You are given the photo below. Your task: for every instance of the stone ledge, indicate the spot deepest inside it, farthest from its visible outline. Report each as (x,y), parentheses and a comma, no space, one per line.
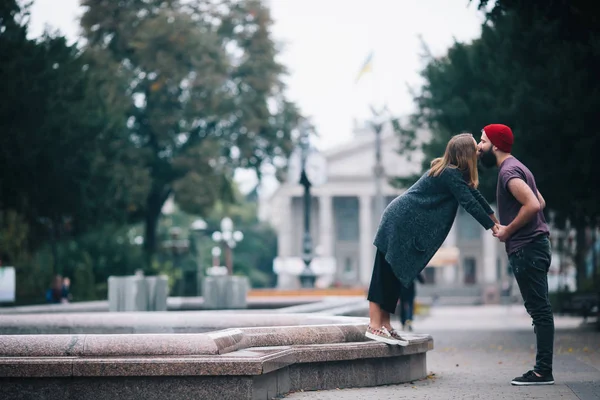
(245,362)
(239,363)
(155,322)
(218,342)
(213,343)
(266,386)
(255,301)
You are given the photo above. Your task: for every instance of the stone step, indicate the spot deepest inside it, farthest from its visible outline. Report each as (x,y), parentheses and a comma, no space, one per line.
(240,363)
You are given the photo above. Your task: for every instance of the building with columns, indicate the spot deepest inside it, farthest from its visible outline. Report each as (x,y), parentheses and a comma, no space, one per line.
(344,221)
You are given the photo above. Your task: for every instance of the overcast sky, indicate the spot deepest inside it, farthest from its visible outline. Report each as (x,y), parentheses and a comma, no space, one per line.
(324,43)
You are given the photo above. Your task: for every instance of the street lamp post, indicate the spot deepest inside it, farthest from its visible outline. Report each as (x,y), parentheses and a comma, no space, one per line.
(177,246)
(307,277)
(229,239)
(312,173)
(216,256)
(377,124)
(198,228)
(307,167)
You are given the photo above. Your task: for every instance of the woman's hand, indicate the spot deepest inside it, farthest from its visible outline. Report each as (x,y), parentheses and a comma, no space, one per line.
(495,229)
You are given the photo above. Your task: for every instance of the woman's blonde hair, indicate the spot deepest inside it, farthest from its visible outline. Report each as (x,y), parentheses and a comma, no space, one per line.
(461,153)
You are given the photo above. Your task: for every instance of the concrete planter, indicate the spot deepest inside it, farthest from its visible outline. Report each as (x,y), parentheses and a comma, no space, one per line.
(225,292)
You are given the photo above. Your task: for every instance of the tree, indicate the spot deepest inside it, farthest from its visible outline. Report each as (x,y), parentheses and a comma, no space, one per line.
(566,53)
(525,71)
(62,135)
(204,90)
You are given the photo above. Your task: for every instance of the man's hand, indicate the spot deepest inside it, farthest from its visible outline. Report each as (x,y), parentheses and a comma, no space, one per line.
(502,233)
(495,228)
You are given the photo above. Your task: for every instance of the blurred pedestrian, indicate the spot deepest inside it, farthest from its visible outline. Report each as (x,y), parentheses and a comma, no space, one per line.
(407,303)
(56,293)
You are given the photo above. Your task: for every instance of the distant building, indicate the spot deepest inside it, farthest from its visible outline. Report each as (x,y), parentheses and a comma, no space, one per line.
(344,224)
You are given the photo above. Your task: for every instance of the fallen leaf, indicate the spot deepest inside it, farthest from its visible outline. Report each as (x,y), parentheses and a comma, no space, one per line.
(499,362)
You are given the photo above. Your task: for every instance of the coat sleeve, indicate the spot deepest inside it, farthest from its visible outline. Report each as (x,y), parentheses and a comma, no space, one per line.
(455,183)
(482,201)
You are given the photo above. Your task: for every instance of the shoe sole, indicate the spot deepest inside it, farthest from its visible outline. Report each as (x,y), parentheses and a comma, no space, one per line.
(381,339)
(531,383)
(401,342)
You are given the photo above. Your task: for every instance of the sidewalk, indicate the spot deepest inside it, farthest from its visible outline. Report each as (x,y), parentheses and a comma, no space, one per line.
(479,349)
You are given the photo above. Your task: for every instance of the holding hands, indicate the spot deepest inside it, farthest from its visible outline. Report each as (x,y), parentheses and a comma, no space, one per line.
(501,232)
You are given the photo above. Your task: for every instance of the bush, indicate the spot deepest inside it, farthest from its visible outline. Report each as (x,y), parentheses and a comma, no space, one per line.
(88,260)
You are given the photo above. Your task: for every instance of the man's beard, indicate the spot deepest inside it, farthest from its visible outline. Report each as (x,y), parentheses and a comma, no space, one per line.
(488,158)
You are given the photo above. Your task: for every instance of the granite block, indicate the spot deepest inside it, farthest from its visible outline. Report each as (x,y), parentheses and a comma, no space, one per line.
(158,322)
(129,388)
(270,386)
(41,345)
(357,373)
(36,368)
(227,340)
(174,366)
(149,344)
(351,351)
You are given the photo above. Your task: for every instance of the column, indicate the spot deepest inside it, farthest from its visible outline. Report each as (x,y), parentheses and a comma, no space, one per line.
(366,250)
(490,254)
(452,274)
(284,227)
(326,229)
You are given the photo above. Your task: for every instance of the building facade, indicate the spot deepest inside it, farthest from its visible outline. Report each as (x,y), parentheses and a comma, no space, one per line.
(344,222)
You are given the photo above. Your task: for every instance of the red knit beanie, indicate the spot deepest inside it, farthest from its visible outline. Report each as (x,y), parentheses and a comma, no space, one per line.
(501,136)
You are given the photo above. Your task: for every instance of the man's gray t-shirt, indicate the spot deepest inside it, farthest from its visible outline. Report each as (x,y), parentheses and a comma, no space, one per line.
(509,206)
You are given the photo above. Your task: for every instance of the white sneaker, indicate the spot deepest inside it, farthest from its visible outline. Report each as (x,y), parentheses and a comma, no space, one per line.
(381,335)
(396,335)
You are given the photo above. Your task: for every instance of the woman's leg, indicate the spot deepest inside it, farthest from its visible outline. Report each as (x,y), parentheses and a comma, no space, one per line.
(376,317)
(383,293)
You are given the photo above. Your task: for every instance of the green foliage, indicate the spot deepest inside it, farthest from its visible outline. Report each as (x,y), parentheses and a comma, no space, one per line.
(88,260)
(204,92)
(523,73)
(62,136)
(534,68)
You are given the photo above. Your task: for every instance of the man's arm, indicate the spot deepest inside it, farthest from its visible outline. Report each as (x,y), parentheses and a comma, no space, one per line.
(541,200)
(530,206)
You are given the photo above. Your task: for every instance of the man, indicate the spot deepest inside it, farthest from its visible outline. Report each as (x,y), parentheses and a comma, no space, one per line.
(524,231)
(407,303)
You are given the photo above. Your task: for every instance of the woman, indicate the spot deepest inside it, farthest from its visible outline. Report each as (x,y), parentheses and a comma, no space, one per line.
(414,226)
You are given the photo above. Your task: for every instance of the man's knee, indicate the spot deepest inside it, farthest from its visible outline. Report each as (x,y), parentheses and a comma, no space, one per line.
(542,315)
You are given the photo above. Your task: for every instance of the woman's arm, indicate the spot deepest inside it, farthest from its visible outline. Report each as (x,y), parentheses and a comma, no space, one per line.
(462,192)
(484,204)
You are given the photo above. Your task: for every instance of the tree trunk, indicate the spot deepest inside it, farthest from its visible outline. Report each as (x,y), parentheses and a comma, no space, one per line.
(155,201)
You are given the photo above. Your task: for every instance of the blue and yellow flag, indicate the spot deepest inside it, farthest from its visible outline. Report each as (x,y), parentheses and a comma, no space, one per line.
(366,67)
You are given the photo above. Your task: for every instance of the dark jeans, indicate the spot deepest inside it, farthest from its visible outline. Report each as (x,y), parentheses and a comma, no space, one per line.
(530,265)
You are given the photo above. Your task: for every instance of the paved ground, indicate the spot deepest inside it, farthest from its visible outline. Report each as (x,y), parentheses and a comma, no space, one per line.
(478,350)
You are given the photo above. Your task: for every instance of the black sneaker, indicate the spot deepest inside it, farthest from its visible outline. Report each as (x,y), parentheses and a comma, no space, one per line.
(530,378)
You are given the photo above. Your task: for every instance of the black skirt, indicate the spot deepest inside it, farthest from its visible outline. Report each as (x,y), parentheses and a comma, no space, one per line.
(385,287)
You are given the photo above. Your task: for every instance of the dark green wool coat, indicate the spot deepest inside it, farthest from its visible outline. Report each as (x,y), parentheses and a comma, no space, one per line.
(415,224)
